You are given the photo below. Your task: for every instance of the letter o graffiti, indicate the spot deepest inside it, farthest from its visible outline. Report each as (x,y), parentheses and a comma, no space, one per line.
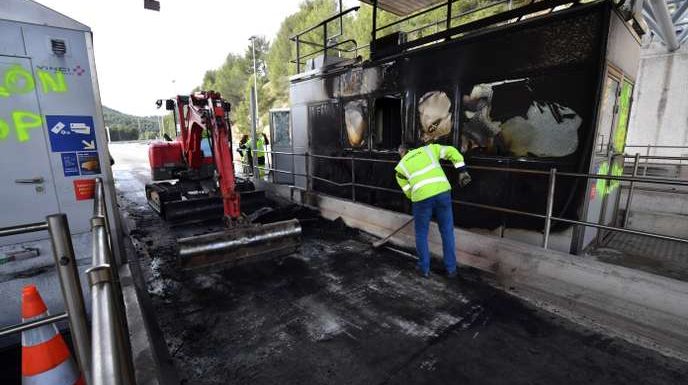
(13,80)
(4,129)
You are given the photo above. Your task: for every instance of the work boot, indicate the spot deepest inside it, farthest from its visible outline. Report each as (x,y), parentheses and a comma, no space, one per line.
(424,274)
(452,274)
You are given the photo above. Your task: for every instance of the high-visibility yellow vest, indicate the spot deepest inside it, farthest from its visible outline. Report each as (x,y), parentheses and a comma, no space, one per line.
(420,175)
(260,146)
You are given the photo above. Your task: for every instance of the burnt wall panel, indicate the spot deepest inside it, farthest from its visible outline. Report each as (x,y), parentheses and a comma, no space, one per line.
(522,96)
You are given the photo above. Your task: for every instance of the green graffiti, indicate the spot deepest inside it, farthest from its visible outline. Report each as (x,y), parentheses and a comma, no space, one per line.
(605,186)
(52,82)
(23,122)
(601,184)
(617,170)
(622,121)
(18,80)
(4,130)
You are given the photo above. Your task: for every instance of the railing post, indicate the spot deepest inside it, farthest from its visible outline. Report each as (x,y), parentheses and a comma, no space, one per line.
(631,186)
(647,159)
(105,321)
(374,33)
(298,55)
(449,14)
(550,206)
(65,262)
(324,44)
(353,180)
(308,172)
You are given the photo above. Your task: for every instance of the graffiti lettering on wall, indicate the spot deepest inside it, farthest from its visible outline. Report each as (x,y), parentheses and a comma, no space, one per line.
(604,187)
(17,80)
(22,122)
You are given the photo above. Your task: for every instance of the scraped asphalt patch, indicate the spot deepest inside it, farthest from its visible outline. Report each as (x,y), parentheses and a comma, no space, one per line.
(340,312)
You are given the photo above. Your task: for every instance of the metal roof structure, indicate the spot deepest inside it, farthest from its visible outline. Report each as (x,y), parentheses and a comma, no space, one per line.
(403,7)
(27,11)
(667,19)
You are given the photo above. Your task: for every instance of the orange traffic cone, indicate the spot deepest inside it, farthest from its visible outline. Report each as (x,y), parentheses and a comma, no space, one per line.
(46,359)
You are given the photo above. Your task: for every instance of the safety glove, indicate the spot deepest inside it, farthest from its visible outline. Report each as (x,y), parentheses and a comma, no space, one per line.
(464,179)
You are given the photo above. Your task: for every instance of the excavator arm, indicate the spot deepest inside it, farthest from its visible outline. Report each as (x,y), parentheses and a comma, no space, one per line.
(199,187)
(207,111)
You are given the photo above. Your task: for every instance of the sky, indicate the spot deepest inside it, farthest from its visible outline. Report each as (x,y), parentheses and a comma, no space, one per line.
(143,55)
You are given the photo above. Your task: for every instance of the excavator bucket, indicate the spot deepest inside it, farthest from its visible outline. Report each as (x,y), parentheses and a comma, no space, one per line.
(241,244)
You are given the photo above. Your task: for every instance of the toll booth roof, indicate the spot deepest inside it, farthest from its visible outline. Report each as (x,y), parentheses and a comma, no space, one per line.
(403,7)
(31,12)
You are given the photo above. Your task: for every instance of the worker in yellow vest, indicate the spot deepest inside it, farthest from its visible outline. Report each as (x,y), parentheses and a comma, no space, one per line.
(422,179)
(246,158)
(261,142)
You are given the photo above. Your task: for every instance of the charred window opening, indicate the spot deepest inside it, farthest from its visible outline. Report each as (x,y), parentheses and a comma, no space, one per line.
(388,130)
(356,124)
(512,118)
(435,117)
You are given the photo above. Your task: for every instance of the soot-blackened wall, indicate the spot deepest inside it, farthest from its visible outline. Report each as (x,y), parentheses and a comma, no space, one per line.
(521,96)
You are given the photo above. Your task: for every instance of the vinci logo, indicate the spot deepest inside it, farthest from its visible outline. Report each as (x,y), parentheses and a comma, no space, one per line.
(68,71)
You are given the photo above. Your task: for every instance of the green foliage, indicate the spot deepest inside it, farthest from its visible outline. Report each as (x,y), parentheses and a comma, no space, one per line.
(123,133)
(129,127)
(234,78)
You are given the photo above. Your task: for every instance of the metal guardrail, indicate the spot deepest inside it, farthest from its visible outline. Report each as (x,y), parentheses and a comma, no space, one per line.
(325,45)
(659,160)
(552,175)
(507,16)
(104,354)
(65,264)
(111,352)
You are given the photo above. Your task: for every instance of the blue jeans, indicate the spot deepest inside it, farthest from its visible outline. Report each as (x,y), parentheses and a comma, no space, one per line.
(441,206)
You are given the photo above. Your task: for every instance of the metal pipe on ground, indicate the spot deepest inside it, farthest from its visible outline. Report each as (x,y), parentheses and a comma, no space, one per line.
(230,247)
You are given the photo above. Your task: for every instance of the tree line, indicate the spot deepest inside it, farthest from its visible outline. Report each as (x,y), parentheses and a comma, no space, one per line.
(275,58)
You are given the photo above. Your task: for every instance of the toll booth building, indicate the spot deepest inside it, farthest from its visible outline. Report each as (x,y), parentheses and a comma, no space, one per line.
(52,146)
(540,87)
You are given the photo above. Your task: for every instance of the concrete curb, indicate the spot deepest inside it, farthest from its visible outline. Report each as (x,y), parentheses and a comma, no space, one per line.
(152,362)
(640,307)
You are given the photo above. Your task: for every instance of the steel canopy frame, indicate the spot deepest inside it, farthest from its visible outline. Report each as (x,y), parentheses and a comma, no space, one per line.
(667,19)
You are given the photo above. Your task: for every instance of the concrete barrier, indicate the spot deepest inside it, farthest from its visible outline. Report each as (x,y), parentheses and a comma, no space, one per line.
(640,307)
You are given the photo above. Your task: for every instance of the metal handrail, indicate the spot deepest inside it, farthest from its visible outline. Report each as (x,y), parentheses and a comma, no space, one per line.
(28,325)
(323,24)
(548,216)
(452,18)
(329,47)
(23,229)
(70,285)
(111,351)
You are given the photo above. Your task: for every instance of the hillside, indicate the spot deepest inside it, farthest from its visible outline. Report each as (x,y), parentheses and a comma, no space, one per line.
(130,127)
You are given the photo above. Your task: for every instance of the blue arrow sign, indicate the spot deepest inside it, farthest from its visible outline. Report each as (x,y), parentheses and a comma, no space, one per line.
(71,133)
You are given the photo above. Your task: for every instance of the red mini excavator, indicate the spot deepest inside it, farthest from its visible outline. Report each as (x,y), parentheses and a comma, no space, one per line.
(197,182)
